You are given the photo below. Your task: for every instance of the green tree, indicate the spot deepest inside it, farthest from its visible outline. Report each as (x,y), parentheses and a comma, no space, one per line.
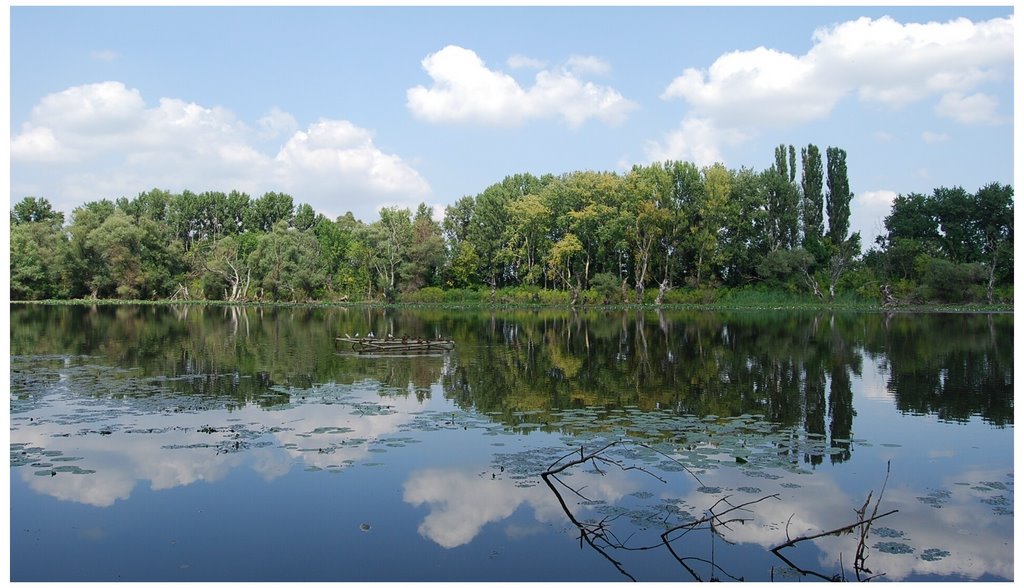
(464,267)
(651,223)
(490,220)
(425,257)
(335,241)
(124,247)
(959,239)
(227,267)
(528,228)
(35,210)
(39,250)
(812,195)
(86,266)
(838,197)
(284,265)
(390,237)
(709,214)
(993,219)
(561,262)
(266,211)
(304,218)
(842,247)
(782,203)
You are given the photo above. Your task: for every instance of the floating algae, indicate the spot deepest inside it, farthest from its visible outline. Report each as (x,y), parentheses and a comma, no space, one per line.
(893,547)
(886,532)
(936,498)
(934,554)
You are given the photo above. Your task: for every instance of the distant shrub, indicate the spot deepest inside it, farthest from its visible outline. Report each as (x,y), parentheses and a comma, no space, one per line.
(604,289)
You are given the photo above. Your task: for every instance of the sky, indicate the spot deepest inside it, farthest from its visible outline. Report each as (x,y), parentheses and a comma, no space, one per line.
(352,108)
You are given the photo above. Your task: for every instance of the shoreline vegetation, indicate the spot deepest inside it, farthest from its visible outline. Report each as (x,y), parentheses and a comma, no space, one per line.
(665,234)
(503,303)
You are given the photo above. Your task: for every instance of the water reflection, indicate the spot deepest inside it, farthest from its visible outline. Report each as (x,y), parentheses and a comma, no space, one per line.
(461,503)
(794,368)
(328,427)
(105,399)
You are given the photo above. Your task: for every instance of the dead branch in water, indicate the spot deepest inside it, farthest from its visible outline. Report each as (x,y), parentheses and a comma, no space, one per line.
(860,559)
(600,536)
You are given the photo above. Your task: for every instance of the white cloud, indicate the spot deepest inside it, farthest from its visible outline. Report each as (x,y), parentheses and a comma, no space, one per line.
(277,122)
(462,503)
(111,144)
(585,64)
(974,109)
(696,140)
(760,87)
(525,62)
(465,90)
(93,109)
(880,61)
(867,214)
(39,144)
(932,138)
(336,158)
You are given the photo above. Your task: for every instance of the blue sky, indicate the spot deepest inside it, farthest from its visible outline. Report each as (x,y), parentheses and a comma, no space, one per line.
(354,108)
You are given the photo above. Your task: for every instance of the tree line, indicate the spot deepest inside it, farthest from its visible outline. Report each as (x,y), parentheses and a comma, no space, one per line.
(656,233)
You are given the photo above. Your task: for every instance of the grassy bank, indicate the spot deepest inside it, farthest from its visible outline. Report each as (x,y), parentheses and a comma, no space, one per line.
(513,298)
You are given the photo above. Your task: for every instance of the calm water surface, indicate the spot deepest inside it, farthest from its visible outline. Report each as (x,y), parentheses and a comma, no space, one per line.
(189,443)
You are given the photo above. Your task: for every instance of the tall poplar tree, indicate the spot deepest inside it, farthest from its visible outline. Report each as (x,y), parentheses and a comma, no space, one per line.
(841,246)
(811,182)
(837,200)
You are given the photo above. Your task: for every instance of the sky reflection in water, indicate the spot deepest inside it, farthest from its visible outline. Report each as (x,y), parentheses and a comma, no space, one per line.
(128,474)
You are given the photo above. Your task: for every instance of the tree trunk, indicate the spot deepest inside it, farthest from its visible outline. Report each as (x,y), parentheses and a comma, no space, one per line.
(989,291)
(662,289)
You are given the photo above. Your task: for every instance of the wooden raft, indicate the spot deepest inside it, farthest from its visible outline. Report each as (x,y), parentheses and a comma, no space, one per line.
(393,345)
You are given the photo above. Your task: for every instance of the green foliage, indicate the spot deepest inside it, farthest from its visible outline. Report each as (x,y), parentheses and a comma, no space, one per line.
(811,184)
(951,246)
(605,289)
(35,210)
(284,265)
(837,200)
(947,281)
(38,254)
(666,232)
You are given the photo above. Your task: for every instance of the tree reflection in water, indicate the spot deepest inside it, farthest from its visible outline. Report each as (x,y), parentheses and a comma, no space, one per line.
(794,368)
(762,392)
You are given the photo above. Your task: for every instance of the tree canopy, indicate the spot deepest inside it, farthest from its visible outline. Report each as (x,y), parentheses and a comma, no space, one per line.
(627,237)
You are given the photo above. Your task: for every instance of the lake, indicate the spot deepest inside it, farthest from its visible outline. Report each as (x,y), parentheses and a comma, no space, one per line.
(188,443)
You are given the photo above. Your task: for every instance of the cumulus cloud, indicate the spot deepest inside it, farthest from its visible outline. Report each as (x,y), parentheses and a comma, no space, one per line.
(762,87)
(109,143)
(586,64)
(868,210)
(333,152)
(696,139)
(276,123)
(974,109)
(525,62)
(465,90)
(880,61)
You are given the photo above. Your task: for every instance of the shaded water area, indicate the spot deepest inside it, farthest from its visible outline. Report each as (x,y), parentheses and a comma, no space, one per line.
(245,444)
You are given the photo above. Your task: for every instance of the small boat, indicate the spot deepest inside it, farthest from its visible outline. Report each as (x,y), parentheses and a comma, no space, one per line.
(397,345)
